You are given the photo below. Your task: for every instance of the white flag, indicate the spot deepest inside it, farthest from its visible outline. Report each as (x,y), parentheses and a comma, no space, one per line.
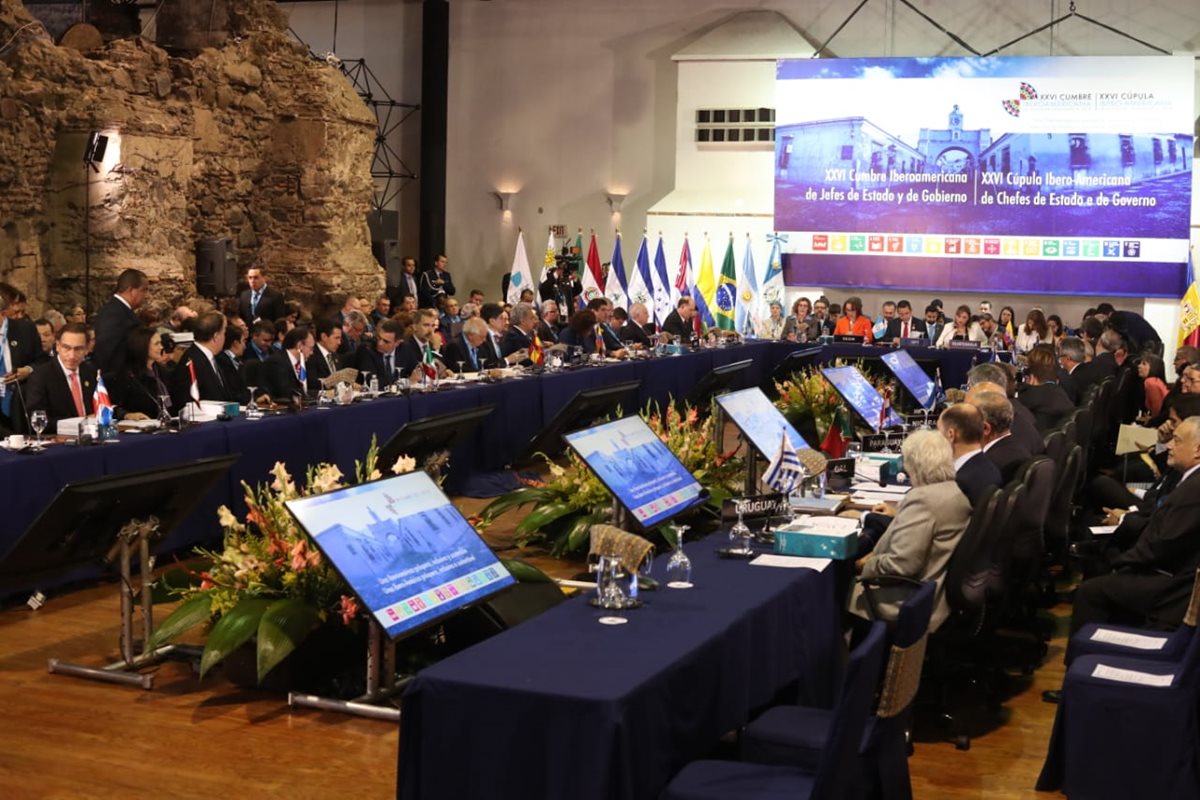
(639,279)
(520,278)
(547,262)
(747,312)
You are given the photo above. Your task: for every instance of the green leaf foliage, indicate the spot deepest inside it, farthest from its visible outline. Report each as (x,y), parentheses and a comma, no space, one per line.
(189,614)
(284,625)
(543,515)
(520,497)
(525,572)
(233,629)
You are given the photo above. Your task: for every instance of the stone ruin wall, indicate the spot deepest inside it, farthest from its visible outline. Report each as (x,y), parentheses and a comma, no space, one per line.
(252,141)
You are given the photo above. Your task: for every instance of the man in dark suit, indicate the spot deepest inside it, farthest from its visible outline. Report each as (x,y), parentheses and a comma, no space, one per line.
(260,301)
(471,348)
(1005,451)
(1074,375)
(200,358)
(412,354)
(63,387)
(679,322)
(229,361)
(603,309)
(519,336)
(284,374)
(1041,394)
(434,283)
(20,350)
(379,358)
(975,473)
(1152,579)
(903,326)
(408,283)
(324,360)
(634,331)
(551,324)
(1002,378)
(1104,363)
(116,319)
(933,322)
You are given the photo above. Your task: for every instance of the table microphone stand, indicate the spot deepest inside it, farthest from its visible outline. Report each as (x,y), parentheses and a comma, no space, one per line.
(381,683)
(136,533)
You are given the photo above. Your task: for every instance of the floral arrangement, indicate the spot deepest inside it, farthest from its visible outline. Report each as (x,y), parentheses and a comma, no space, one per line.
(571,499)
(268,581)
(811,403)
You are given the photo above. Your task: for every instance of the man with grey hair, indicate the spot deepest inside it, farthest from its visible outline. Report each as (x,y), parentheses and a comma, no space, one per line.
(551,322)
(634,331)
(1104,364)
(1006,451)
(354,332)
(519,337)
(1074,375)
(928,524)
(467,348)
(1003,376)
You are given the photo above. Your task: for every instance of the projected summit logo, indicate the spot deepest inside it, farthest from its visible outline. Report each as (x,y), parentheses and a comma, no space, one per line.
(1013,107)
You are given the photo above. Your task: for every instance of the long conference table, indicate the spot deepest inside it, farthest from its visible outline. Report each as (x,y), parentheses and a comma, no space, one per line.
(342,435)
(565,706)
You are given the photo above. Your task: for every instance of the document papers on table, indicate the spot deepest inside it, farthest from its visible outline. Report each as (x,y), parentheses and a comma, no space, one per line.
(793,562)
(1136,641)
(1132,676)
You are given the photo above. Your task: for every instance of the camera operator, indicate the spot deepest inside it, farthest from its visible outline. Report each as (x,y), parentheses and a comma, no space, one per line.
(561,285)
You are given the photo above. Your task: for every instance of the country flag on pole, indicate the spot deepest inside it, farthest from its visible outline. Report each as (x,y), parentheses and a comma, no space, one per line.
(748,312)
(592,278)
(704,290)
(428,365)
(537,353)
(1189,310)
(640,280)
(772,285)
(548,261)
(101,402)
(726,291)
(194,388)
(785,471)
(662,286)
(683,277)
(520,278)
(616,288)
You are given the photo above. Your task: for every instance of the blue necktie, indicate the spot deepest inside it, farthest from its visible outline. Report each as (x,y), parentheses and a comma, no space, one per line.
(254,298)
(474,358)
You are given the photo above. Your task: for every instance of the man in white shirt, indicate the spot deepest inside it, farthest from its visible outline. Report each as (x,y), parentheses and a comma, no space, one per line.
(63,387)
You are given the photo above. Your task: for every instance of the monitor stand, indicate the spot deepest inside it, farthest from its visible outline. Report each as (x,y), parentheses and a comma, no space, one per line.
(136,533)
(382,683)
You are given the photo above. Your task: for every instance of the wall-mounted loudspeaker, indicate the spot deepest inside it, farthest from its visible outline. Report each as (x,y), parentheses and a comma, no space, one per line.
(216,268)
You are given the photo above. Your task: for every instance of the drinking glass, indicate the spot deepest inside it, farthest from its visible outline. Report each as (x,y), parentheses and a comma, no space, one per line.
(679,566)
(38,421)
(461,376)
(854,449)
(252,409)
(739,535)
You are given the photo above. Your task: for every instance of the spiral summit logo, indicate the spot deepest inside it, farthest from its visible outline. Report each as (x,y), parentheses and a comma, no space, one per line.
(1013,107)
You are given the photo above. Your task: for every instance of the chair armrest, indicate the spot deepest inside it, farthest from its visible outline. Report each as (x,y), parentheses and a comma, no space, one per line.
(870,584)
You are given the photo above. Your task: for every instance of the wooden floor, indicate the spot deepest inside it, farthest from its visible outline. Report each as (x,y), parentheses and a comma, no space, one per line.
(62,737)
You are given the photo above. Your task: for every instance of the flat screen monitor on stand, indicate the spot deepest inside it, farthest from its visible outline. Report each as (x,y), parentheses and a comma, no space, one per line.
(411,559)
(861,396)
(646,479)
(587,406)
(764,427)
(913,378)
(115,518)
(424,438)
(718,380)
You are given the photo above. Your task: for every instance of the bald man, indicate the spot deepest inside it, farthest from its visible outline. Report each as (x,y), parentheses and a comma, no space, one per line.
(1006,451)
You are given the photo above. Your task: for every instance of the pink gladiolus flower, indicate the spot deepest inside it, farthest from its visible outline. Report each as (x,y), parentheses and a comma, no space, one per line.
(349,608)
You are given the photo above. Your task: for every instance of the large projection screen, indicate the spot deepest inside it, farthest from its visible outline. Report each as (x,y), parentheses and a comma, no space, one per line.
(1033,175)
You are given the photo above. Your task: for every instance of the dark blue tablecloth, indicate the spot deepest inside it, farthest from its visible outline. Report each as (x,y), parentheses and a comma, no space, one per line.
(562,706)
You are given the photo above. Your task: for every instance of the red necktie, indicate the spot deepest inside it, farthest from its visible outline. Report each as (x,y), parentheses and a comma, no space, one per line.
(904,331)
(77,394)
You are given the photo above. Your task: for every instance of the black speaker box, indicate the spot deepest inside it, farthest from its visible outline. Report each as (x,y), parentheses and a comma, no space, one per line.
(216,268)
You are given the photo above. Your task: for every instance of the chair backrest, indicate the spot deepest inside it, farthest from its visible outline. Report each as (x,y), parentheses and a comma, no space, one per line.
(967,573)
(837,767)
(902,675)
(1030,519)
(1056,446)
(1001,535)
(1058,519)
(1192,616)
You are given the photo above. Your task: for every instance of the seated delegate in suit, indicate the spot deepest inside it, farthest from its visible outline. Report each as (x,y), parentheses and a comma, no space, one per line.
(1152,579)
(772,326)
(63,387)
(209,330)
(581,331)
(962,329)
(853,323)
(259,302)
(139,389)
(1073,375)
(284,374)
(1041,394)
(928,523)
(603,308)
(469,349)
(1153,375)
(634,331)
(975,473)
(419,346)
(379,358)
(1004,379)
(800,326)
(496,319)
(679,322)
(324,361)
(1035,331)
(551,324)
(20,350)
(1006,451)
(904,326)
(519,336)
(230,364)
